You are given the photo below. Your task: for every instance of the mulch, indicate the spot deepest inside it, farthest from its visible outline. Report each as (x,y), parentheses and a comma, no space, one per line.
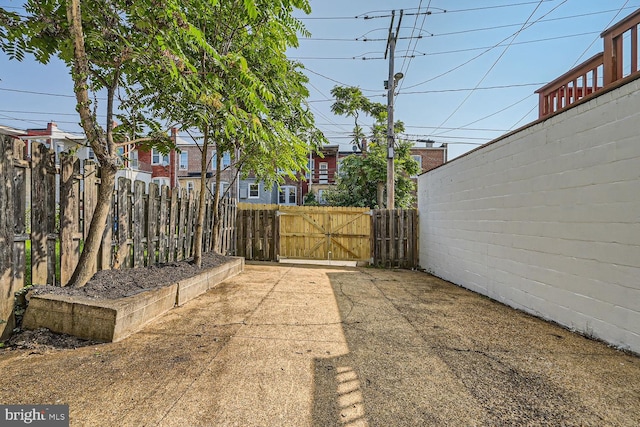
(109,284)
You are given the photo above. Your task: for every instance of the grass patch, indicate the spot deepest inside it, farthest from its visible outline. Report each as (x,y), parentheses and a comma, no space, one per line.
(27,274)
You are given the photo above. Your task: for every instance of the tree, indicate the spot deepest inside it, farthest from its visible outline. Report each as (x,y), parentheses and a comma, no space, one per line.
(351,102)
(361,179)
(359,176)
(248,100)
(106,44)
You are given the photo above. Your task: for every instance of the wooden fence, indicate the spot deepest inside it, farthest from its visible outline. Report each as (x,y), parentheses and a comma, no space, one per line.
(395,238)
(385,238)
(144,227)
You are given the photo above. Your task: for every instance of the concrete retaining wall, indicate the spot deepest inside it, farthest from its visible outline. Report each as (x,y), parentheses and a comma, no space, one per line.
(547,220)
(112,320)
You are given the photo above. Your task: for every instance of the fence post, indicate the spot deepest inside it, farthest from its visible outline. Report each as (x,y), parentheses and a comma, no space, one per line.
(153,215)
(123,255)
(163,242)
(42,215)
(90,197)
(173,220)
(138,223)
(6,237)
(182,223)
(70,234)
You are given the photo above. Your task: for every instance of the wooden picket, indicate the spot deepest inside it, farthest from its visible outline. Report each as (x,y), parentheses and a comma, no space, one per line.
(142,228)
(257,234)
(395,238)
(386,238)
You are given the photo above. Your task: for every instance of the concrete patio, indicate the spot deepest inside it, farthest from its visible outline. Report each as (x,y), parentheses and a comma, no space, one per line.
(284,345)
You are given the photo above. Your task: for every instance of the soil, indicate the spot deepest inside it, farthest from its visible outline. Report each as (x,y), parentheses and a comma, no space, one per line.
(112,284)
(109,284)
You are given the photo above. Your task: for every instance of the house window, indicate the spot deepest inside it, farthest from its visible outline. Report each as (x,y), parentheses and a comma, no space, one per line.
(92,155)
(157,158)
(189,186)
(224,186)
(323,177)
(287,195)
(184,161)
(214,161)
(418,159)
(320,197)
(254,191)
(134,159)
(226,160)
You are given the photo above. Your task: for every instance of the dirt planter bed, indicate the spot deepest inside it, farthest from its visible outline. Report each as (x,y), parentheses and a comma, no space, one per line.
(98,318)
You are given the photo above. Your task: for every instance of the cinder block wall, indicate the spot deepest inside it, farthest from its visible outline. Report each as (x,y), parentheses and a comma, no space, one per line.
(547,220)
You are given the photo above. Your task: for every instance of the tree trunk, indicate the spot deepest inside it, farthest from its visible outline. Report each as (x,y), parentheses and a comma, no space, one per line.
(108,166)
(198,235)
(216,203)
(87,262)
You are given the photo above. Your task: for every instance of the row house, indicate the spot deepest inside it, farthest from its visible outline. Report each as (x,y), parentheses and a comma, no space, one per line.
(61,141)
(325,167)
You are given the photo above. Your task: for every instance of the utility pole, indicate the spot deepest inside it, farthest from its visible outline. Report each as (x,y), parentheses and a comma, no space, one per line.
(391,87)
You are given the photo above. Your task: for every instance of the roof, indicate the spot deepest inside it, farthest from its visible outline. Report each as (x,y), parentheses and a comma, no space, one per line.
(6,130)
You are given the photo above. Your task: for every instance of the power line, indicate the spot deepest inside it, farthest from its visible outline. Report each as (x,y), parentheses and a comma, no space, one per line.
(415,45)
(43,113)
(487,116)
(338,82)
(30,92)
(366,14)
(504,51)
(474,88)
(486,51)
(470,30)
(596,39)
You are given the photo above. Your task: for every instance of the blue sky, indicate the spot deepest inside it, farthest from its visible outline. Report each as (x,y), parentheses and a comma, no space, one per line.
(505,50)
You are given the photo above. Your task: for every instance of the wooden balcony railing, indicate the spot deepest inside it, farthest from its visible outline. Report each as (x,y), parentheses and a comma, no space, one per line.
(619,60)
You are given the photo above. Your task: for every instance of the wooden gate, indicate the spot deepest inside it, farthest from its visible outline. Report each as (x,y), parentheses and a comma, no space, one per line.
(338,233)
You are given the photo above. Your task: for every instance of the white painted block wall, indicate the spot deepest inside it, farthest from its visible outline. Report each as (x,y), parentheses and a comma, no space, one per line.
(547,220)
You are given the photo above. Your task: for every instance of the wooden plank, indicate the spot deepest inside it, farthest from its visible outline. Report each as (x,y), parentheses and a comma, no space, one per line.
(105,254)
(182,224)
(138,224)
(240,233)
(39,203)
(415,232)
(192,214)
(89,198)
(123,257)
(173,224)
(53,262)
(249,234)
(6,237)
(163,223)
(90,195)
(69,217)
(153,217)
(207,228)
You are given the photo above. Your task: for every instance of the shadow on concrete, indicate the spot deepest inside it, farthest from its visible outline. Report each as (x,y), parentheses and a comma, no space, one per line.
(422,351)
(378,381)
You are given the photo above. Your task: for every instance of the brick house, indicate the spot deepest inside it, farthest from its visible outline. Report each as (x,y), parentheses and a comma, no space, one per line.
(324,168)
(189,169)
